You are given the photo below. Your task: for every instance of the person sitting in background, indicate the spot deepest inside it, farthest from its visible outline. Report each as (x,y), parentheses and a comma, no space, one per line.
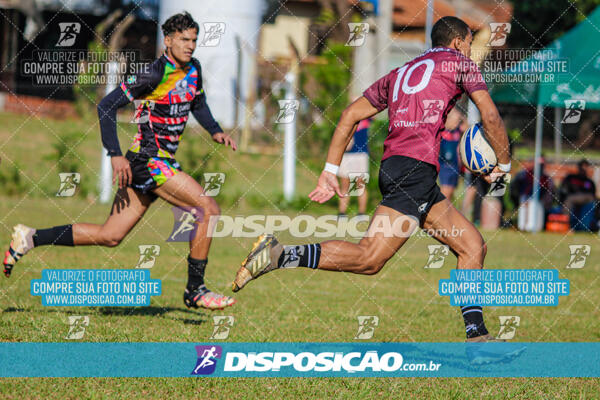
(578,197)
(449,159)
(521,187)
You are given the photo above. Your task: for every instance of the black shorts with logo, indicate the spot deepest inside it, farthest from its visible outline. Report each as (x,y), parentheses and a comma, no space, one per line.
(409,186)
(150,172)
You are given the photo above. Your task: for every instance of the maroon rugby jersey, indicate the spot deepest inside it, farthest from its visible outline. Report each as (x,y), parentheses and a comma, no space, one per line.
(418,97)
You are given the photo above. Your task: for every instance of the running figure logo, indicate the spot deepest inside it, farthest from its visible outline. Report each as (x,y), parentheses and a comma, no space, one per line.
(68,183)
(287,111)
(148,254)
(366,326)
(68,33)
(185,219)
(437,255)
(358,181)
(579,254)
(573,109)
(358,33)
(499,184)
(207,359)
(432,110)
(223,324)
(213,182)
(508,326)
(212,34)
(77,325)
(500,31)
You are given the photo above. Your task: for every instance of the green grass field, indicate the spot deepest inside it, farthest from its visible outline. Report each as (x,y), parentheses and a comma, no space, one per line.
(297,305)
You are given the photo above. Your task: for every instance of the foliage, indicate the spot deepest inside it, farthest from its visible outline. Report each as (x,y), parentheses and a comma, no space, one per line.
(331,82)
(537,23)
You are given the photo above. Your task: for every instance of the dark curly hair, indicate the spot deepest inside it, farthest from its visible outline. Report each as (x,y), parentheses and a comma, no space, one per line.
(179,23)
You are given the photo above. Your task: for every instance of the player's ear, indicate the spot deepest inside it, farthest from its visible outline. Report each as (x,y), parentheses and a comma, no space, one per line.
(168,40)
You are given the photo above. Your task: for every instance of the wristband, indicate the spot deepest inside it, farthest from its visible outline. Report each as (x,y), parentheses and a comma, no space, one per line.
(331,168)
(504,167)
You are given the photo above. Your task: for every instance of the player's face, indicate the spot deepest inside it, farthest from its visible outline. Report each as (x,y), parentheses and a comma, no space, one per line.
(464,46)
(181,45)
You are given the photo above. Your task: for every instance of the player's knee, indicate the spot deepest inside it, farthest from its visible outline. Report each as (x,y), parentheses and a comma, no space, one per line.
(372,264)
(474,248)
(112,240)
(211,207)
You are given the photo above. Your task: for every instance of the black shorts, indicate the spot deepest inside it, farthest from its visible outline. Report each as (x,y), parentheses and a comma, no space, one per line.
(409,186)
(150,172)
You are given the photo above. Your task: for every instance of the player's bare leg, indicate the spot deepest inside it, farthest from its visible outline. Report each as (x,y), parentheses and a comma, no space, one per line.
(451,228)
(182,190)
(388,231)
(127,209)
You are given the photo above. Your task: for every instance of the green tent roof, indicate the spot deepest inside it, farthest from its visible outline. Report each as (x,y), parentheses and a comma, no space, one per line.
(578,50)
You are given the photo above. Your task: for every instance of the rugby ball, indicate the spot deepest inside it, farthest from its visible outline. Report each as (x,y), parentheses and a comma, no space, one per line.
(475,152)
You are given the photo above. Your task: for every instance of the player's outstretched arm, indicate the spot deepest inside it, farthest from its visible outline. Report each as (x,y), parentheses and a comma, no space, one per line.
(494,130)
(328,185)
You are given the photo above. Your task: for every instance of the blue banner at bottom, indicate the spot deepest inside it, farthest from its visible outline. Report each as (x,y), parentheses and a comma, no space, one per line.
(299,359)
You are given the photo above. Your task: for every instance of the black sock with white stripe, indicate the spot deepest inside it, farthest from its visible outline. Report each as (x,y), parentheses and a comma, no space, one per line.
(473,316)
(306,255)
